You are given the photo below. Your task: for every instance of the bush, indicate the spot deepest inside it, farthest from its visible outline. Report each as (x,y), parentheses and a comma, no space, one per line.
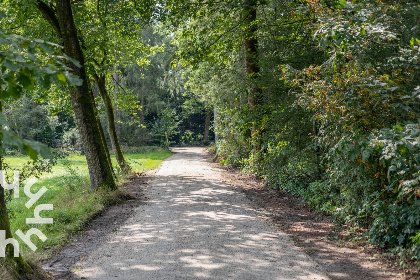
(72,141)
(190,138)
(285,166)
(374,182)
(230,152)
(396,225)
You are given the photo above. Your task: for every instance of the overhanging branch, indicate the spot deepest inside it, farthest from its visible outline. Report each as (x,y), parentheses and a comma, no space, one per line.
(48,12)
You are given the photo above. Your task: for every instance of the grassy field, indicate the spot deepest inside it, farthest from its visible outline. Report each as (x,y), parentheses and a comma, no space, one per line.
(69,192)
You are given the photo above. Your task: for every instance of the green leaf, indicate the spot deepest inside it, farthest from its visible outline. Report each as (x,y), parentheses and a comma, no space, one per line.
(343,3)
(61,77)
(26,81)
(74,80)
(46,48)
(13,91)
(30,148)
(37,148)
(11,65)
(391,169)
(45,81)
(365,155)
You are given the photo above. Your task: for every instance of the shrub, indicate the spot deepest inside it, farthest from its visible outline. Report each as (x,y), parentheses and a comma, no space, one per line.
(72,141)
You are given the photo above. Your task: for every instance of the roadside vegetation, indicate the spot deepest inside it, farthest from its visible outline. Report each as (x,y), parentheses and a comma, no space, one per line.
(319,98)
(69,192)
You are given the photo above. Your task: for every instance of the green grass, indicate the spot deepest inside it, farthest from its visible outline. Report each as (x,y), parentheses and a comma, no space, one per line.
(69,191)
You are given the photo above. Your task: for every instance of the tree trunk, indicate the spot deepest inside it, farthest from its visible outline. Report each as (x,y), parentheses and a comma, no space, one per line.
(116,78)
(251,51)
(111,123)
(251,64)
(15,266)
(102,132)
(318,153)
(100,170)
(216,135)
(207,125)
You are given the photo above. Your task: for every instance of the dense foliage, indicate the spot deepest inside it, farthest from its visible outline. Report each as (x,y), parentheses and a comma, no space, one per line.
(28,65)
(338,122)
(365,101)
(320,99)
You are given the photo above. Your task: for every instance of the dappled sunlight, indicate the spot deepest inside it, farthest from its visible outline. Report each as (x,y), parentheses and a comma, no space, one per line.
(197,228)
(201,261)
(141,267)
(218,216)
(93,272)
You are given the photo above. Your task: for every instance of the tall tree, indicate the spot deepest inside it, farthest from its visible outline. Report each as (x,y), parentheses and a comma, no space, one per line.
(23,69)
(109,44)
(222,32)
(207,122)
(251,56)
(61,19)
(101,82)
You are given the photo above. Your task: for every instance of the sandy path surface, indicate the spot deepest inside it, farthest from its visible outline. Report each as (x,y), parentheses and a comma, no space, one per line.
(194,226)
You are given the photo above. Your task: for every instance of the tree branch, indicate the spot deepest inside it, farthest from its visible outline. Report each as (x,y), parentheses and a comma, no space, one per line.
(48,13)
(120,86)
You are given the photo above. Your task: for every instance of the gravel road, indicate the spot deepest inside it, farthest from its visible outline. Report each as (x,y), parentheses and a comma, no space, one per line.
(194,226)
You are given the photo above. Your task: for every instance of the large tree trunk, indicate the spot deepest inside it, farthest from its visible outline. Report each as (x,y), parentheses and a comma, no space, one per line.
(251,64)
(102,131)
(111,122)
(100,170)
(5,225)
(207,125)
(251,52)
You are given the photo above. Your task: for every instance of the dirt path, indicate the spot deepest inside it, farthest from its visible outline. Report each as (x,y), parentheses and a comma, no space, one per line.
(194,226)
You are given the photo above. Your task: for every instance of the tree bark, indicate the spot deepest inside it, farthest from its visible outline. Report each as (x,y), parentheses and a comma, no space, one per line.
(5,223)
(101,81)
(102,132)
(100,171)
(207,125)
(216,135)
(251,66)
(14,266)
(251,52)
(116,78)
(17,265)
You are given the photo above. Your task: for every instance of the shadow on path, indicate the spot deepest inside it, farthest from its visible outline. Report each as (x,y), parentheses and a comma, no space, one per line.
(194,226)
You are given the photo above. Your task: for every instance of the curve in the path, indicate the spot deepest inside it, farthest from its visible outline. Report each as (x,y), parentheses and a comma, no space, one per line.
(195,227)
